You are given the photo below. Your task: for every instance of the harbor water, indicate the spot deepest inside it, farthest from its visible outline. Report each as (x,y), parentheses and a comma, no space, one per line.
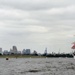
(37,66)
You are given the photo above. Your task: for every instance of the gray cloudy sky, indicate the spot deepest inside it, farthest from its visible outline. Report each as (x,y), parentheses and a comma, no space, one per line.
(37,24)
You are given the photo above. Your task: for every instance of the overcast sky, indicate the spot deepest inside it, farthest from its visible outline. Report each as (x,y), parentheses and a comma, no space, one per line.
(37,24)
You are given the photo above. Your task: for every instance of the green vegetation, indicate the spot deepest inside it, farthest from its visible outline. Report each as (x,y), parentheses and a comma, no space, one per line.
(37,56)
(21,56)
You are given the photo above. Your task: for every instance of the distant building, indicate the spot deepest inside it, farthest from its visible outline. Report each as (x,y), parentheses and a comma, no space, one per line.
(35,52)
(19,52)
(24,51)
(45,53)
(5,52)
(1,51)
(39,54)
(13,50)
(28,51)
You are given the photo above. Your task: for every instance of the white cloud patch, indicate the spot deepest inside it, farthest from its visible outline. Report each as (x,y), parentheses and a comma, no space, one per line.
(36,29)
(12,14)
(62,10)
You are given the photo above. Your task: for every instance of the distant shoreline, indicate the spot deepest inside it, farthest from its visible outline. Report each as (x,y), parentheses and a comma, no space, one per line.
(21,56)
(29,56)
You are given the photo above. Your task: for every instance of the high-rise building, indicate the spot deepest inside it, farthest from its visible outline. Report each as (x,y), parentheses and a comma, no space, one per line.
(13,50)
(45,51)
(28,51)
(0,50)
(24,51)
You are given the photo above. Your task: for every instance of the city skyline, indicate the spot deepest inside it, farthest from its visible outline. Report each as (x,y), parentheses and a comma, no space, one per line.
(37,24)
(15,50)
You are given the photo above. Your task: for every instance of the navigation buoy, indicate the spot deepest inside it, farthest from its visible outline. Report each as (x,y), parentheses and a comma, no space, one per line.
(7,58)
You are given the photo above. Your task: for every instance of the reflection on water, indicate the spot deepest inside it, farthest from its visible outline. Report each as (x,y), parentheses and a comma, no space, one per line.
(37,66)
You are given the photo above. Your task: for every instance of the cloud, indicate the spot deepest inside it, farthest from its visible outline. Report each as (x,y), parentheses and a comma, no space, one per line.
(35,4)
(12,14)
(27,29)
(39,23)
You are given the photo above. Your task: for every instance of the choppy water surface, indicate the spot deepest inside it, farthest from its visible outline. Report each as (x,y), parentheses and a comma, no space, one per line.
(37,66)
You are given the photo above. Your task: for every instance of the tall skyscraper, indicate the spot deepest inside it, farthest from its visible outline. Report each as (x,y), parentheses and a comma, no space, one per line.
(13,50)
(45,51)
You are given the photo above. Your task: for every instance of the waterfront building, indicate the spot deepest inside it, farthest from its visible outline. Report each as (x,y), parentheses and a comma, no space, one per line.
(45,53)
(27,51)
(24,51)
(5,52)
(1,51)
(13,50)
(19,52)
